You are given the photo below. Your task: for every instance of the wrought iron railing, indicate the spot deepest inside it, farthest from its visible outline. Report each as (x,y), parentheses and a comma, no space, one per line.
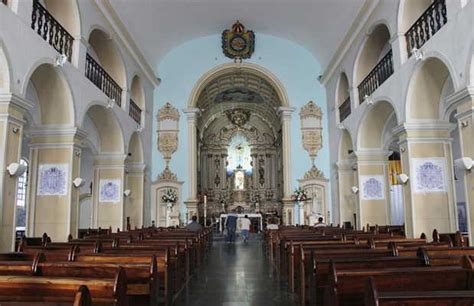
(345,109)
(433,19)
(51,30)
(103,80)
(382,71)
(135,112)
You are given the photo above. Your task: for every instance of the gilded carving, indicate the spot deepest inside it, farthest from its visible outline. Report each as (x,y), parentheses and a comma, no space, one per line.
(311,110)
(314,173)
(311,116)
(167,175)
(168,138)
(168,112)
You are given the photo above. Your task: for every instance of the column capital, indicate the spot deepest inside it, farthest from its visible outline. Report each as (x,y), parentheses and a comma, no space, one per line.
(285,112)
(192,113)
(16,100)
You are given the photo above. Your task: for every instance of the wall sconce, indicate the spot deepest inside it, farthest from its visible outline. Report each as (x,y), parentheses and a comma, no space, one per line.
(402,149)
(354,167)
(110,103)
(60,60)
(464,124)
(127,192)
(417,54)
(464,163)
(78,182)
(16,169)
(355,189)
(368,100)
(402,178)
(15,130)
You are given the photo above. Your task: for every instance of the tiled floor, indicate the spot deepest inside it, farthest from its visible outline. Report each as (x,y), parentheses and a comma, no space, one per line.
(235,275)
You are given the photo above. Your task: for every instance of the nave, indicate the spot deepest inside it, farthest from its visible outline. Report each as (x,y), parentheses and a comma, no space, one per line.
(236,275)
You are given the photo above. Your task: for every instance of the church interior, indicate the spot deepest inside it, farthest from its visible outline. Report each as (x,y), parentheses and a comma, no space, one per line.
(234,153)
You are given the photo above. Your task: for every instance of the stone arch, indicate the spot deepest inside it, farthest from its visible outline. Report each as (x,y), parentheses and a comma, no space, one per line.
(56,103)
(110,132)
(373,48)
(426,90)
(244,67)
(137,93)
(370,134)
(345,145)
(342,92)
(409,12)
(67,13)
(5,69)
(135,149)
(106,52)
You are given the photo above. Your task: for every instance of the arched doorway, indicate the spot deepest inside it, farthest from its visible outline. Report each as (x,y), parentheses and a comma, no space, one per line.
(238,126)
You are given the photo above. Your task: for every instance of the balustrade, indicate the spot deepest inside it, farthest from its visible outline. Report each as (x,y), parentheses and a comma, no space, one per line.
(345,109)
(97,75)
(135,111)
(433,19)
(50,29)
(382,71)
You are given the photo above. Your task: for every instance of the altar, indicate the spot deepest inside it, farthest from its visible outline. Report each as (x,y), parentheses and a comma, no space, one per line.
(222,218)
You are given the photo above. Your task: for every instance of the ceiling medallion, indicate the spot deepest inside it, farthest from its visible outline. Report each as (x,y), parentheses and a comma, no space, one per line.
(238,116)
(238,43)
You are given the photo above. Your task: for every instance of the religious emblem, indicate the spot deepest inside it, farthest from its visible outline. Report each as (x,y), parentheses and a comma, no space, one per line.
(238,43)
(52,180)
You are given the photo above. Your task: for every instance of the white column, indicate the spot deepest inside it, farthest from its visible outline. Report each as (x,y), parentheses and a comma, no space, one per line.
(285,115)
(192,114)
(192,201)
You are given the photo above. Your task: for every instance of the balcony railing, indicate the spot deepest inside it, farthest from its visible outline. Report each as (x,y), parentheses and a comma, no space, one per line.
(103,80)
(433,19)
(51,30)
(376,77)
(135,112)
(345,109)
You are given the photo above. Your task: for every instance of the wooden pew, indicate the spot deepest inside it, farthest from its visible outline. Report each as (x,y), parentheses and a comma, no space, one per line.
(375,297)
(347,287)
(29,289)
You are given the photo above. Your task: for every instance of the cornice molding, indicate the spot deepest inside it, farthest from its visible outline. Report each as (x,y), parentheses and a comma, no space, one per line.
(358,24)
(107,10)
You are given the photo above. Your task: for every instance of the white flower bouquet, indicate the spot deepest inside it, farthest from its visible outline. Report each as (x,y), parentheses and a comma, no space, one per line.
(169,196)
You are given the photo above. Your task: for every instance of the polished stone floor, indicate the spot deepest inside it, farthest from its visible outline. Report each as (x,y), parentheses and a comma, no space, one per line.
(235,275)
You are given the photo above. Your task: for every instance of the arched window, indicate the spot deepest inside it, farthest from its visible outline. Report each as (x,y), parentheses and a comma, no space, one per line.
(21,195)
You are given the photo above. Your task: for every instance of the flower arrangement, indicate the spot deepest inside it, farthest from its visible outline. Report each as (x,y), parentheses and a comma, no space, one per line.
(300,195)
(169,196)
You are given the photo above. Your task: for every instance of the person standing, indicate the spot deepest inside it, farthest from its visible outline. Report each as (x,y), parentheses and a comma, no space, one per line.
(245,228)
(231,225)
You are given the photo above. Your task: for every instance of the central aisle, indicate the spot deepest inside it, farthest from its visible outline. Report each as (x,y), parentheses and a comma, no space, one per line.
(235,275)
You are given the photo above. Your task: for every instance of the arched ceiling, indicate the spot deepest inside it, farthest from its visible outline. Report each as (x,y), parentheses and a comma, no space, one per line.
(157,26)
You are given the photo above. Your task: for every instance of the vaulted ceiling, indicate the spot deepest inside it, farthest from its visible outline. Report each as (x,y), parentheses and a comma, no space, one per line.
(157,26)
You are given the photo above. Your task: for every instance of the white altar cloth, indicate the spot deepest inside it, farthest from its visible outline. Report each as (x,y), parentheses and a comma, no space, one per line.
(222,218)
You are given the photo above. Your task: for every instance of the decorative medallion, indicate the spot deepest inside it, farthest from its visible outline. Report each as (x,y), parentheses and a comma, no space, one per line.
(52,180)
(238,116)
(429,174)
(238,43)
(372,187)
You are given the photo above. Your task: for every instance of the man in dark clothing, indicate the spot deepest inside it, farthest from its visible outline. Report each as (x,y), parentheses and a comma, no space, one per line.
(231,225)
(194,225)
